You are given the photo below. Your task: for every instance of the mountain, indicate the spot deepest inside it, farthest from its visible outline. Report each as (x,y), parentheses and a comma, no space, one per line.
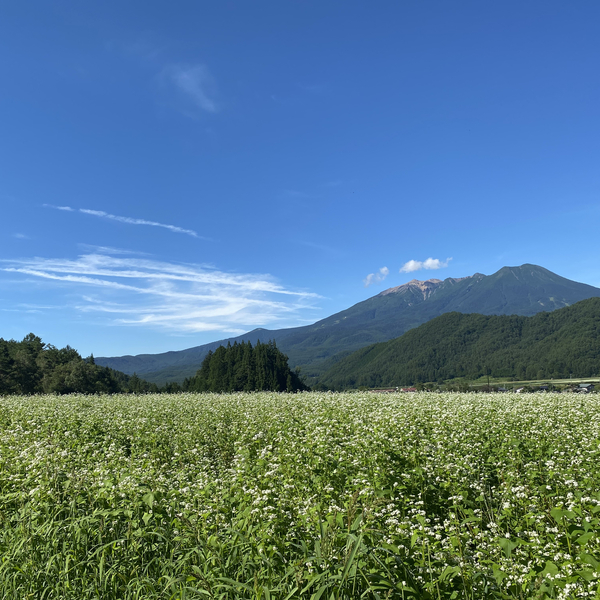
(524,290)
(176,365)
(548,345)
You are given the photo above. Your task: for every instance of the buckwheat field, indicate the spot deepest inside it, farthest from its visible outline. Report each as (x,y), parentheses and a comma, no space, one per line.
(315,495)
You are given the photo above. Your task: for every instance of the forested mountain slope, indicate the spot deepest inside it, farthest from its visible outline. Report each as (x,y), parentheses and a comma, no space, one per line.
(524,290)
(548,345)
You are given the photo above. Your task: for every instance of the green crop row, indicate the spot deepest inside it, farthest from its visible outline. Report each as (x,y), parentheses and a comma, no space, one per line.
(313,495)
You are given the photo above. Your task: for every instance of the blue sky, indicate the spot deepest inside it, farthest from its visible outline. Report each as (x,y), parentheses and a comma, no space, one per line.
(173,174)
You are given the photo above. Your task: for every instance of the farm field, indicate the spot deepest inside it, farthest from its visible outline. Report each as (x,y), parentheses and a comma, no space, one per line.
(312,495)
(536,382)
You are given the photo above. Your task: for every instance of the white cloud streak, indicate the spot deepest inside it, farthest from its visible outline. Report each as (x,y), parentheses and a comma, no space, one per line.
(430,264)
(131,221)
(195,83)
(177,297)
(128,220)
(109,250)
(377,277)
(65,208)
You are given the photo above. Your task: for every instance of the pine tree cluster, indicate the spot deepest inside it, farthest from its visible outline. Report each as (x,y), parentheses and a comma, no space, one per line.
(242,367)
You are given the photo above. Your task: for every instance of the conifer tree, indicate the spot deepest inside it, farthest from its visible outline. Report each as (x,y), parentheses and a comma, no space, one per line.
(242,367)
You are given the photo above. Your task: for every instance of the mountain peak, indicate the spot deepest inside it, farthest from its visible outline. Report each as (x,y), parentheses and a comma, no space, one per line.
(529,273)
(420,283)
(426,287)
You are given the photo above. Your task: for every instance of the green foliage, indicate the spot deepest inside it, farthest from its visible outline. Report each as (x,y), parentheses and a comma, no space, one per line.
(548,345)
(300,496)
(242,367)
(32,367)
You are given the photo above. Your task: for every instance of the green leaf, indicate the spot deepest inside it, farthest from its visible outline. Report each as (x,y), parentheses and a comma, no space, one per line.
(148,499)
(319,592)
(560,513)
(508,546)
(291,594)
(350,558)
(588,559)
(449,573)
(550,568)
(585,538)
(357,522)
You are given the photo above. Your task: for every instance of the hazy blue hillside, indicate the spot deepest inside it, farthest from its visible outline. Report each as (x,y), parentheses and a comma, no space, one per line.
(524,290)
(179,364)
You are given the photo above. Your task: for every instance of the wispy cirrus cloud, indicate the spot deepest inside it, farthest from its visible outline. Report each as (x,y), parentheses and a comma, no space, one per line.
(110,250)
(129,220)
(132,221)
(65,208)
(195,84)
(157,294)
(430,264)
(190,88)
(376,277)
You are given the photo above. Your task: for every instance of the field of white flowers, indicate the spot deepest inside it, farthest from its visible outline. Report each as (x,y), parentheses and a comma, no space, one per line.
(316,495)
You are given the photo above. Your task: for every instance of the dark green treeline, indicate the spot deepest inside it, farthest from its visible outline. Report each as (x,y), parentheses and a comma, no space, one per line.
(242,367)
(33,367)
